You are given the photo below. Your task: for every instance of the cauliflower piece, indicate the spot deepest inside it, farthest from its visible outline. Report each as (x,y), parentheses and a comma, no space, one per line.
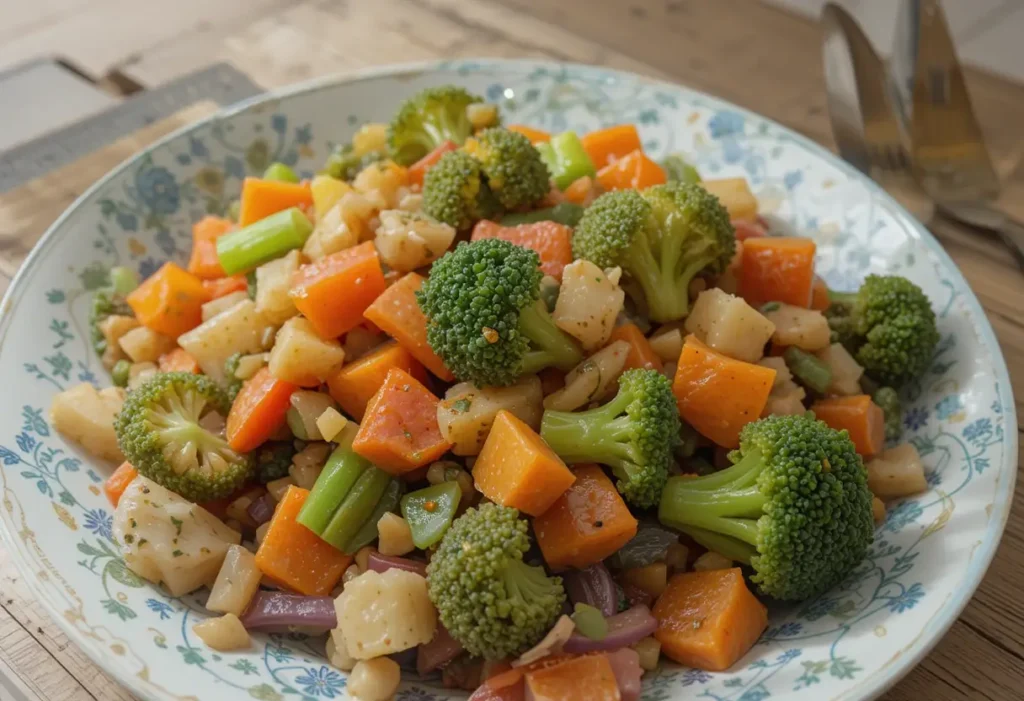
(588,304)
(466,413)
(113,328)
(273,280)
(240,329)
(86,416)
(382,613)
(168,540)
(407,240)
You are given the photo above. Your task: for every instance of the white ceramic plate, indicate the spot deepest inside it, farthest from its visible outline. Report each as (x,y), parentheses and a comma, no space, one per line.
(851,643)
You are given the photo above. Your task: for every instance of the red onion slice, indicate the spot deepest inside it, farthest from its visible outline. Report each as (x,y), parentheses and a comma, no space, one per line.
(593,586)
(625,664)
(276,610)
(383,563)
(438,652)
(261,510)
(624,629)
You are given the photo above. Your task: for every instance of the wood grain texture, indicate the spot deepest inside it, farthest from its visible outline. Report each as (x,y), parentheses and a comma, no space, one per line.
(757,56)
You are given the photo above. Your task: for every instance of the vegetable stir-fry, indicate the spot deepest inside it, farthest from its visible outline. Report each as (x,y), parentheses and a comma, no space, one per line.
(537,410)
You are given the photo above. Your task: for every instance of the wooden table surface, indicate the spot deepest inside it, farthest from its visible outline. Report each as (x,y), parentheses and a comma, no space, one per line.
(756,56)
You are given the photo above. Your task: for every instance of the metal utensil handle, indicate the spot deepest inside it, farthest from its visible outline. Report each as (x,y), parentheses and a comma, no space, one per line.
(988,218)
(1011,232)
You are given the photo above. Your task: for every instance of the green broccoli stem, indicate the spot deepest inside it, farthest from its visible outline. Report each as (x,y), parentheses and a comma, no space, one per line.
(809,369)
(527,583)
(719,511)
(344,467)
(600,435)
(666,287)
(842,298)
(550,346)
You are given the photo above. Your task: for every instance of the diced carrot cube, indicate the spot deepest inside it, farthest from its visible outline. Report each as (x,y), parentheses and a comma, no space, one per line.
(170,301)
(356,383)
(334,291)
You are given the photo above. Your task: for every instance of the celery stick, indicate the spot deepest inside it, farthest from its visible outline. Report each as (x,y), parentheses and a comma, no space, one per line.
(566,158)
(279,171)
(357,507)
(343,469)
(367,533)
(263,241)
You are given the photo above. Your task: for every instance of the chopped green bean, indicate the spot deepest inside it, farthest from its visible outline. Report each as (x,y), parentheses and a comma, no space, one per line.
(808,369)
(344,467)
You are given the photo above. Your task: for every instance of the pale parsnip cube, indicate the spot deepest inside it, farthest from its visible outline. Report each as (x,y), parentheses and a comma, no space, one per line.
(273,280)
(395,535)
(735,196)
(407,241)
(237,582)
(897,472)
(86,416)
(588,304)
(667,341)
(381,181)
(144,345)
(467,412)
(730,325)
(113,328)
(249,365)
(846,372)
(300,356)
(783,377)
(223,634)
(590,380)
(166,539)
(807,329)
(330,423)
(326,193)
(342,226)
(222,304)
(786,403)
(240,329)
(383,613)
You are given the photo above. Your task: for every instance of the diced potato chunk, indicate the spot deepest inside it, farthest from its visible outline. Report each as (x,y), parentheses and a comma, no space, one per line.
(222,304)
(804,328)
(729,325)
(86,416)
(342,226)
(381,181)
(712,561)
(667,341)
(144,345)
(590,380)
(326,193)
(237,582)
(789,402)
(139,373)
(897,472)
(406,241)
(273,280)
(277,488)
(588,304)
(375,680)
(735,196)
(240,329)
(301,356)
(113,328)
(846,372)
(330,423)
(466,413)
(168,540)
(223,634)
(783,377)
(249,365)
(383,613)
(395,535)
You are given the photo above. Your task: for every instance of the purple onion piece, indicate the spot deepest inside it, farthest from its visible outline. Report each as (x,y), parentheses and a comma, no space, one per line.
(624,629)
(406,659)
(646,547)
(262,510)
(276,610)
(383,563)
(625,664)
(593,586)
(438,652)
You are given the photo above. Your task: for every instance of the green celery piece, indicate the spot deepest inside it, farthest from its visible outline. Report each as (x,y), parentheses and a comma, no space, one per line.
(343,469)
(262,241)
(809,369)
(566,159)
(367,533)
(429,523)
(358,506)
(280,172)
(123,280)
(567,213)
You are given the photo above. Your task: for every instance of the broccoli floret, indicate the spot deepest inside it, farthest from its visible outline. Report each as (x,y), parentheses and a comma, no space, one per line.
(662,238)
(512,166)
(162,432)
(455,192)
(345,164)
(484,316)
(889,400)
(273,460)
(795,506)
(634,434)
(888,326)
(232,383)
(488,599)
(428,119)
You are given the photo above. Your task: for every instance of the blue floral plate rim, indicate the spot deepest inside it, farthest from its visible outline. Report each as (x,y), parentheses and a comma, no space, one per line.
(869,688)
